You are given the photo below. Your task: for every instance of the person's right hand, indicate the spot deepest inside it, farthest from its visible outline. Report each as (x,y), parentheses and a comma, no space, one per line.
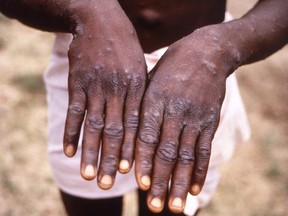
(107,78)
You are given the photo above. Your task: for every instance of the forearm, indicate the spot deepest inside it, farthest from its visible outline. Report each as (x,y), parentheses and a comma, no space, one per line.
(225,47)
(262,31)
(55,15)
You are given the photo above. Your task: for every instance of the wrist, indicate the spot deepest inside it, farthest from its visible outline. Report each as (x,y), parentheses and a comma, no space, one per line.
(217,45)
(90,13)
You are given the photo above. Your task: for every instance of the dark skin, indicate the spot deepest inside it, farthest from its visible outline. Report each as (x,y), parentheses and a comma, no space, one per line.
(158,22)
(180,108)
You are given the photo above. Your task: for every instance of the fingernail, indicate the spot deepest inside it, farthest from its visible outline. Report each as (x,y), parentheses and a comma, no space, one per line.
(177,202)
(106,180)
(69,150)
(195,189)
(156,203)
(145,180)
(124,165)
(89,171)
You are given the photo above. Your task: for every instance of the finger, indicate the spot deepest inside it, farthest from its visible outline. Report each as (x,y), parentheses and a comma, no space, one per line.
(75,115)
(165,159)
(147,141)
(182,173)
(112,140)
(203,152)
(131,123)
(94,124)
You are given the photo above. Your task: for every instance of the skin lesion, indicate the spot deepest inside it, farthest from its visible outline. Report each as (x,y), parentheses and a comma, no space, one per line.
(114,131)
(95,123)
(186,157)
(168,152)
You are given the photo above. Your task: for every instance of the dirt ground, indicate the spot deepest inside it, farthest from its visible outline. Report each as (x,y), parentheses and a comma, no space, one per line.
(254,182)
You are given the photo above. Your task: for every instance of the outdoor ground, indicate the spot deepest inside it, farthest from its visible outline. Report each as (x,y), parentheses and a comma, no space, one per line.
(254,182)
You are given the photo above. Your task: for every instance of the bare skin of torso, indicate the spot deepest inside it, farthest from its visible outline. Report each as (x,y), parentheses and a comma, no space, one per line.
(159,23)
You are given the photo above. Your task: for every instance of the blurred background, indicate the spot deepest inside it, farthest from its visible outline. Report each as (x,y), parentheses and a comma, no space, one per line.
(254,182)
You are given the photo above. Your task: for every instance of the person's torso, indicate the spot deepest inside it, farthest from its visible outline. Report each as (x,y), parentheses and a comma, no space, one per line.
(161,22)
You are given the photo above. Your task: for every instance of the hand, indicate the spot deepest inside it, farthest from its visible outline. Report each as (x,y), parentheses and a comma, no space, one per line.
(180,115)
(107,78)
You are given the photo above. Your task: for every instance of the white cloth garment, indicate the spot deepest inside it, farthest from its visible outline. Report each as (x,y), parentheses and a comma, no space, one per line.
(233,129)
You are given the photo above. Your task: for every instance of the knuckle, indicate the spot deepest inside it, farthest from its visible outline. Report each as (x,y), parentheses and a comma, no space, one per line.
(202,168)
(149,136)
(71,135)
(146,164)
(94,123)
(76,109)
(137,82)
(114,131)
(77,76)
(84,81)
(153,94)
(212,118)
(115,84)
(186,157)
(132,122)
(115,79)
(168,152)
(203,152)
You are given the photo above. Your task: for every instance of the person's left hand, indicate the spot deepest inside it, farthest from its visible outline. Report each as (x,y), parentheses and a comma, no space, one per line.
(180,115)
